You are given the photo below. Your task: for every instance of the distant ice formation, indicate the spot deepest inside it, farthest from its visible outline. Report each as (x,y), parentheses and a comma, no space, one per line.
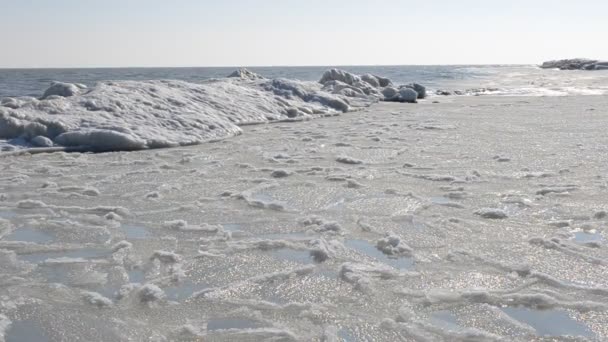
(576,64)
(135,115)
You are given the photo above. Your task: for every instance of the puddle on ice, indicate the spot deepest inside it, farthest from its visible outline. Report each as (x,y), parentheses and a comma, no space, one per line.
(232,323)
(183,290)
(285,236)
(362,246)
(585,237)
(30,235)
(233,227)
(301,257)
(135,232)
(549,322)
(440,200)
(445,319)
(87,253)
(25,331)
(7,214)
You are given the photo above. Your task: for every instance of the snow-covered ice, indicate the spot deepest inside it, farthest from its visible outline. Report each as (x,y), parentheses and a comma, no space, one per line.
(135,115)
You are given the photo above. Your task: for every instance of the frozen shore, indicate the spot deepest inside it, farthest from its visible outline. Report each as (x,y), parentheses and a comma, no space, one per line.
(137,115)
(473,219)
(576,64)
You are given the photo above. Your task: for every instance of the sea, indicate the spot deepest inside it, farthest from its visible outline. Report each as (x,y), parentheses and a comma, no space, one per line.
(508,80)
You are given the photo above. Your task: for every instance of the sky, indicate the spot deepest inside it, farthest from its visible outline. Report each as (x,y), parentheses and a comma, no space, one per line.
(146,33)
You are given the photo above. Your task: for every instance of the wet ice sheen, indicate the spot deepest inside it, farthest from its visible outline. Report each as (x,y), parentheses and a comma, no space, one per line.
(549,322)
(362,246)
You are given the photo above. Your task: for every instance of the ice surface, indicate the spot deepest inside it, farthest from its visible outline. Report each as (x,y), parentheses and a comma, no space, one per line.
(177,244)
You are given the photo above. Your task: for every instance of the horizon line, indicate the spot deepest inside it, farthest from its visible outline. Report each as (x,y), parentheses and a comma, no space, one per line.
(258,66)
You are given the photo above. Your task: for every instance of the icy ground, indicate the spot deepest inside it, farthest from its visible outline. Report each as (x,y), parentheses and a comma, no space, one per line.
(483,219)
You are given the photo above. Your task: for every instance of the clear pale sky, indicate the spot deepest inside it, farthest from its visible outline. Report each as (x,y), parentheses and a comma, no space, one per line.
(108,33)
